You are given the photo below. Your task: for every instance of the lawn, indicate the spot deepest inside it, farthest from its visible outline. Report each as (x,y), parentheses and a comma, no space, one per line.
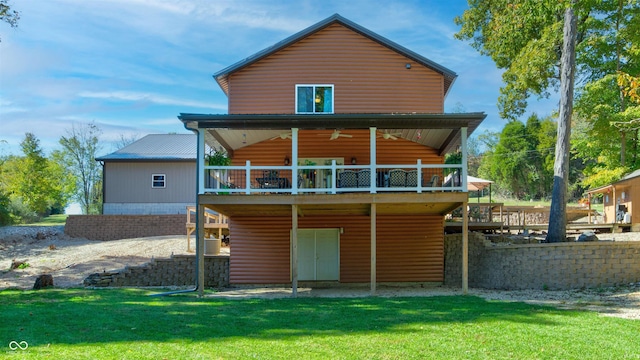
(128,324)
(51,220)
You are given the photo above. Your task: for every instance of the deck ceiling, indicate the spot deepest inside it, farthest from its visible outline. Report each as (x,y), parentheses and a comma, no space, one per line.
(439,131)
(349,204)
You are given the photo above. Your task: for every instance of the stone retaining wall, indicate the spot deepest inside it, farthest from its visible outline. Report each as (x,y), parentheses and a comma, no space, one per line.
(179,270)
(557,266)
(114,227)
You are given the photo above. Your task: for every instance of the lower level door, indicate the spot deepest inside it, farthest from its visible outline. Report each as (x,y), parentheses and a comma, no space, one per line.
(319,254)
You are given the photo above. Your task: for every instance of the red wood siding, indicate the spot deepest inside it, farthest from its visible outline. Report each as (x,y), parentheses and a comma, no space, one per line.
(260,252)
(313,145)
(409,248)
(367,77)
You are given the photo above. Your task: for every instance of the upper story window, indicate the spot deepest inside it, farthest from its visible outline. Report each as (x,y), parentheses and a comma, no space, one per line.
(314,99)
(158,181)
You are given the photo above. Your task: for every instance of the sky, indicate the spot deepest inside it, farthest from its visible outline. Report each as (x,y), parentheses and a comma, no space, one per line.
(131,66)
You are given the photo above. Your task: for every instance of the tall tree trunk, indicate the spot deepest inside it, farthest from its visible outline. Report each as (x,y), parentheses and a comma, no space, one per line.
(558,214)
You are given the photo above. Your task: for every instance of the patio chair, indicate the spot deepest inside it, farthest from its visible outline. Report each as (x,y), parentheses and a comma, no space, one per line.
(435,181)
(364,178)
(348,179)
(270,179)
(397,178)
(412,178)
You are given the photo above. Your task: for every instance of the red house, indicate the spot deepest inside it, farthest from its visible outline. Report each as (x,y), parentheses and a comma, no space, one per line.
(337,138)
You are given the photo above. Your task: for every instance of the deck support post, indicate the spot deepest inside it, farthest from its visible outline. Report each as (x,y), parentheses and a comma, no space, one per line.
(200,249)
(372,159)
(373,216)
(294,250)
(465,248)
(294,161)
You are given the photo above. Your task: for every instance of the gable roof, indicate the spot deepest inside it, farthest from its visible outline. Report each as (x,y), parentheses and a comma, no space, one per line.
(176,147)
(222,76)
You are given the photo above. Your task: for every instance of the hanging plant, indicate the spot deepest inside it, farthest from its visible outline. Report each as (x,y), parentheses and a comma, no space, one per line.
(217,157)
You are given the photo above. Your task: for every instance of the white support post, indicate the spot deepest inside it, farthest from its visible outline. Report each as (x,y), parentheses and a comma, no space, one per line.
(200,153)
(465,165)
(294,161)
(419,176)
(372,160)
(200,249)
(294,250)
(334,177)
(247,175)
(465,248)
(373,217)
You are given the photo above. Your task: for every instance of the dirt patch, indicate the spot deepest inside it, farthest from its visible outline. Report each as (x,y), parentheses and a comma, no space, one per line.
(47,250)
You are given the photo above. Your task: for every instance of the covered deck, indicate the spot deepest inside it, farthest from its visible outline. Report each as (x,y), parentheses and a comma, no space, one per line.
(334,186)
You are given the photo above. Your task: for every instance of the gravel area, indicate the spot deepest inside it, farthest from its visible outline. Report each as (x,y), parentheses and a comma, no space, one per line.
(47,250)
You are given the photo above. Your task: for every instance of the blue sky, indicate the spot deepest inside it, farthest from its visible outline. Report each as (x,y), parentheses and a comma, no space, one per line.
(131,66)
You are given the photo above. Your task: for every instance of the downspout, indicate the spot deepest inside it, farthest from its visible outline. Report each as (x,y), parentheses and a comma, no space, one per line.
(104,186)
(197,230)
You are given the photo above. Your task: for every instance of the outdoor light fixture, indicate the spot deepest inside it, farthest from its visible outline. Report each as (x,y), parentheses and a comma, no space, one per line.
(407,65)
(286,161)
(353,160)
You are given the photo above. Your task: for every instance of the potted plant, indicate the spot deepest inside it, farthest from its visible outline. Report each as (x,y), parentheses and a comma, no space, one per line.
(218,157)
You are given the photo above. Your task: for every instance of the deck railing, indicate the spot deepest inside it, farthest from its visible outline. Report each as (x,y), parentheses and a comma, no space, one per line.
(331,179)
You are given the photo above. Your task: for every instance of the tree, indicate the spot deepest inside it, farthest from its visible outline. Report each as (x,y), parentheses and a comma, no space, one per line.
(34,181)
(518,161)
(125,140)
(558,214)
(7,15)
(79,150)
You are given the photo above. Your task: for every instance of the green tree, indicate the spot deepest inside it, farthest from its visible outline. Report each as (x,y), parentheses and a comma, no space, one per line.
(35,181)
(520,159)
(79,150)
(7,15)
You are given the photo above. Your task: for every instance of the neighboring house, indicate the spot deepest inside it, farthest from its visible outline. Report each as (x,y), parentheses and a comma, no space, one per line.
(619,198)
(153,175)
(337,138)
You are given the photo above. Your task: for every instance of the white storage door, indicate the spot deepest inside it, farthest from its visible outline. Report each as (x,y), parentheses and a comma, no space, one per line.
(319,254)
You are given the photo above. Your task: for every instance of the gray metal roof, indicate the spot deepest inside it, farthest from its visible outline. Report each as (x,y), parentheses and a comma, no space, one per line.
(177,147)
(222,75)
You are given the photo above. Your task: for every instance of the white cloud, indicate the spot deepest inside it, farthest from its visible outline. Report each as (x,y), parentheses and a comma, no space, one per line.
(149,97)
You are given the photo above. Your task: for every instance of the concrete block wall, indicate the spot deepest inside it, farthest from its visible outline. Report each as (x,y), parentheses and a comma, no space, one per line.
(556,266)
(114,227)
(179,270)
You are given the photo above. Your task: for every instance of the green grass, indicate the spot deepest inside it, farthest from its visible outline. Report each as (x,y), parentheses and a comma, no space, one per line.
(128,324)
(51,220)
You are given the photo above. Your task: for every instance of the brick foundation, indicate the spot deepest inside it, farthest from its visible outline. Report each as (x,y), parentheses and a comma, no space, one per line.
(557,266)
(114,227)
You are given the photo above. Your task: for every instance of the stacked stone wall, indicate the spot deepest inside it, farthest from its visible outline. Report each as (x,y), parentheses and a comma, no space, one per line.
(557,266)
(179,270)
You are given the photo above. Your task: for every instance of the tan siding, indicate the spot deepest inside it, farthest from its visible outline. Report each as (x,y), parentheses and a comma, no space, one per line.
(409,248)
(130,182)
(367,76)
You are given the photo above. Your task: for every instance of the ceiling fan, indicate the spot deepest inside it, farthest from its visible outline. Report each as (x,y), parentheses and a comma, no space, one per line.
(387,135)
(283,136)
(337,134)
